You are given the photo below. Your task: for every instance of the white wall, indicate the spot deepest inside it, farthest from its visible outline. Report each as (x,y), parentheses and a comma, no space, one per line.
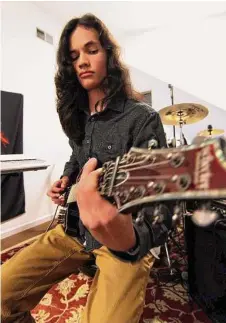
(28,67)
(161,98)
(190,60)
(190,55)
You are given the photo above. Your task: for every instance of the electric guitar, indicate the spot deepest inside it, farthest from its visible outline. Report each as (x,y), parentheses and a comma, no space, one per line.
(143,177)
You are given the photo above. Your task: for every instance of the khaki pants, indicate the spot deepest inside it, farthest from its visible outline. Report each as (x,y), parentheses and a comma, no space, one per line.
(117,292)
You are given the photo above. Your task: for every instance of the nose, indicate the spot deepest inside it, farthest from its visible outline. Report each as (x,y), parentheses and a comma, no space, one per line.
(83,61)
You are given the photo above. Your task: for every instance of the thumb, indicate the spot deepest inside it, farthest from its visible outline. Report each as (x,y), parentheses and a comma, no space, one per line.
(89,167)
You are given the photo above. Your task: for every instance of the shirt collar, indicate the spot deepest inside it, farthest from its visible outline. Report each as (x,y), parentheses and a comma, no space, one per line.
(115,105)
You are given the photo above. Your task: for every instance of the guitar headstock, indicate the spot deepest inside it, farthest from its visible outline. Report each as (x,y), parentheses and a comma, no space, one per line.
(187,172)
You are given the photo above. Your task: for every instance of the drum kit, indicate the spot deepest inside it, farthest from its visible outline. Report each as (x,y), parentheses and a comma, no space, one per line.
(178,115)
(184,114)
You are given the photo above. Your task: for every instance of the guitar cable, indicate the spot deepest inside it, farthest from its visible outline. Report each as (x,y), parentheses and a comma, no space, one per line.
(49,227)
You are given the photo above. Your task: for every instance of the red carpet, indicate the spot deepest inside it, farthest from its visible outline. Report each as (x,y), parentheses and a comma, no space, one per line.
(166,297)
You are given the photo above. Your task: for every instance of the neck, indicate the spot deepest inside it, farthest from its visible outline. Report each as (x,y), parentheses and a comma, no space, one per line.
(95,96)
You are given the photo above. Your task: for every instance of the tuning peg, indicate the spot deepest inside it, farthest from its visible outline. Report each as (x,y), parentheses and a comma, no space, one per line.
(177,214)
(177,210)
(158,216)
(140,218)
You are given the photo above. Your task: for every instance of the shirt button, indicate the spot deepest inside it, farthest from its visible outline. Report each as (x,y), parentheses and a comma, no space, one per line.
(92,119)
(87,141)
(109,147)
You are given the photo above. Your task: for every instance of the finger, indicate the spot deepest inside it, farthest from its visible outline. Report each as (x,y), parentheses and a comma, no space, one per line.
(57,183)
(92,183)
(98,171)
(96,174)
(64,183)
(61,198)
(58,201)
(89,167)
(56,189)
(54,195)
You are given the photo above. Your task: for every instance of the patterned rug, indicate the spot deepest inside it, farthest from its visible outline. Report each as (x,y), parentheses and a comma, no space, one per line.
(167,300)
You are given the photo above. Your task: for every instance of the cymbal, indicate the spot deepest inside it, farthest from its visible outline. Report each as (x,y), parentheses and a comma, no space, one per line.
(213,132)
(184,113)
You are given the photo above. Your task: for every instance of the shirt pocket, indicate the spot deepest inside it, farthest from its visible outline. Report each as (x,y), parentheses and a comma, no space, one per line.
(110,150)
(109,145)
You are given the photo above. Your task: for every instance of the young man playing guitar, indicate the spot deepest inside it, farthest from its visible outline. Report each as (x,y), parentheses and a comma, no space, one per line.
(102,117)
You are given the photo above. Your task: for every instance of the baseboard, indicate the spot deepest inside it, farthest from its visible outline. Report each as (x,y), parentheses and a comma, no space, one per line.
(25,226)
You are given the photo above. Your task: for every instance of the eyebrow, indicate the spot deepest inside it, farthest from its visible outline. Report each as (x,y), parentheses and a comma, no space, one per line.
(91,42)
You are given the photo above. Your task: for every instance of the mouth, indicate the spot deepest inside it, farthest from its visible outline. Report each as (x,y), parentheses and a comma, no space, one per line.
(86,74)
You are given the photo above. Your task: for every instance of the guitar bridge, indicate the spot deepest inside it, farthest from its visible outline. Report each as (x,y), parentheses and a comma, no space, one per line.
(61,217)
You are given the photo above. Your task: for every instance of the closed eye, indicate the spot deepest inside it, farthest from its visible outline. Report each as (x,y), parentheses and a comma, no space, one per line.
(93,52)
(74,57)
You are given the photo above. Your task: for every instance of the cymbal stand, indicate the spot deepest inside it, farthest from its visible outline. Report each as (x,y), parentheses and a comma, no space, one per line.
(172,102)
(181,123)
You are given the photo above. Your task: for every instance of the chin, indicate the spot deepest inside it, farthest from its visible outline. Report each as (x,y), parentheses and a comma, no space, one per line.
(90,85)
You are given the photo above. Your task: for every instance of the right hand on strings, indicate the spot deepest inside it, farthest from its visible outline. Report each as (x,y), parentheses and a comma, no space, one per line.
(55,192)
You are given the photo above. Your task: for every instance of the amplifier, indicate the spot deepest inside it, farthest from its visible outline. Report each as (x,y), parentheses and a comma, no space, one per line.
(206,251)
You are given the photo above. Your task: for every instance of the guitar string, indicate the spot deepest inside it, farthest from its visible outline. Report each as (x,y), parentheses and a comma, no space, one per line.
(137,168)
(146,166)
(125,164)
(147,177)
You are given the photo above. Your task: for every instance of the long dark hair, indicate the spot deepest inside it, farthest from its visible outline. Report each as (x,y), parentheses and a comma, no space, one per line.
(71,96)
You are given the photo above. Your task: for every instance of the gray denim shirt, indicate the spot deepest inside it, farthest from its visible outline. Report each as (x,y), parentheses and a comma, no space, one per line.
(111,133)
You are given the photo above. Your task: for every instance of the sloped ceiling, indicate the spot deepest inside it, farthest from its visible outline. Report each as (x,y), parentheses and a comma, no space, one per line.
(140,26)
(128,17)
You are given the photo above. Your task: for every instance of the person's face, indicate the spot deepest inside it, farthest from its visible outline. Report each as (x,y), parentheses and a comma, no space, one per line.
(89,57)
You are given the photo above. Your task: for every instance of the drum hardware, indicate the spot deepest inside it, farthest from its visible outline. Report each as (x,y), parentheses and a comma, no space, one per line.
(182,114)
(172,103)
(210,131)
(171,143)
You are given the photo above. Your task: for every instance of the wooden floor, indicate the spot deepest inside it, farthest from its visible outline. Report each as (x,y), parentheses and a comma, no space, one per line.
(22,236)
